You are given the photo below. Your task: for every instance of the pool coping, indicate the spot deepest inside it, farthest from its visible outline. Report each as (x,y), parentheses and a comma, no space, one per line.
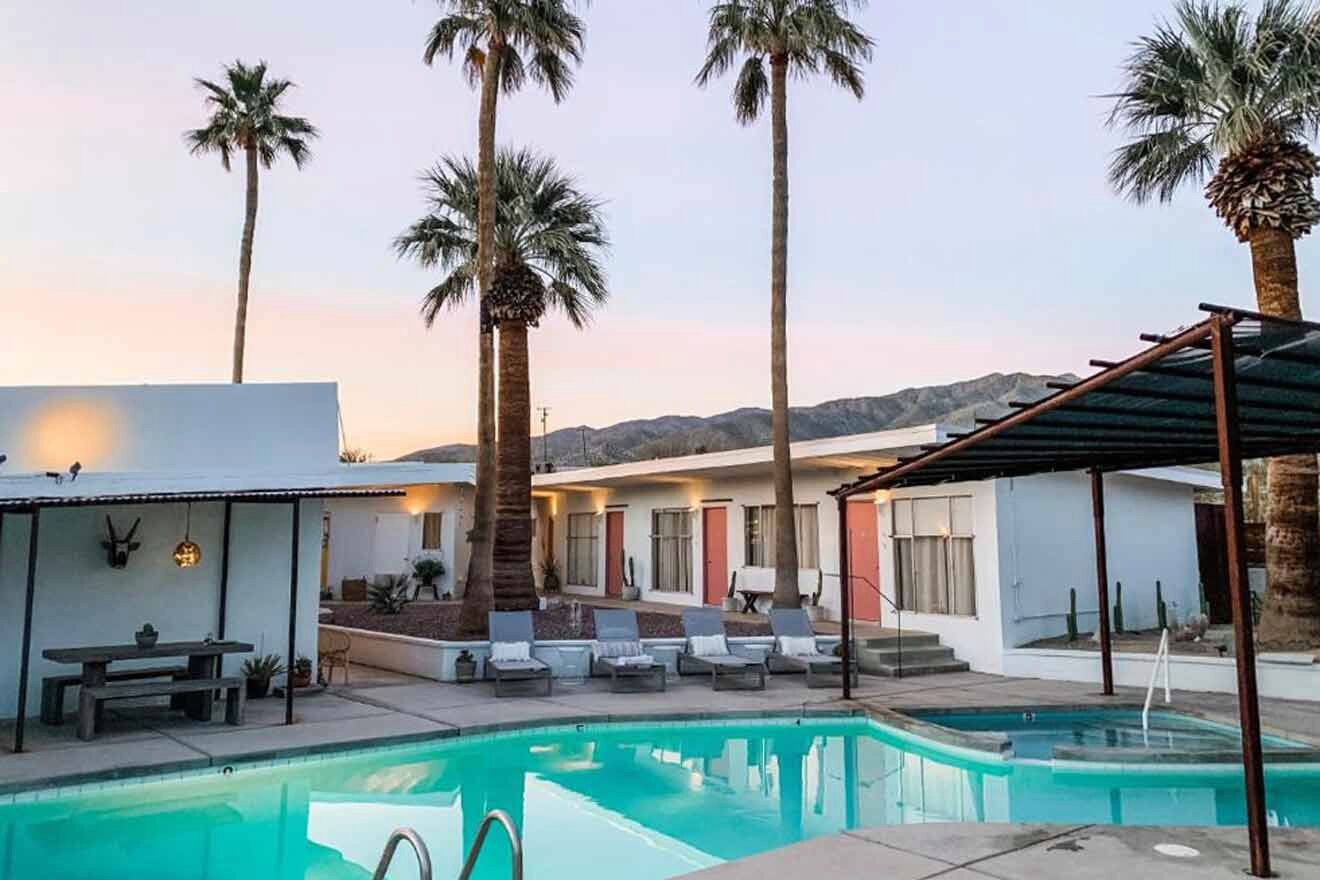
(51,785)
(926,724)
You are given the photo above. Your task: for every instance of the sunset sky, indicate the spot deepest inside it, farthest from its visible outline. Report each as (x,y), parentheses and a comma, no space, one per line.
(954,223)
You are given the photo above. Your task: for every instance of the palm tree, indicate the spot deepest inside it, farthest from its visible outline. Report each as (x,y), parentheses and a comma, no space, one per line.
(549,240)
(502,42)
(245,115)
(801,37)
(1219,95)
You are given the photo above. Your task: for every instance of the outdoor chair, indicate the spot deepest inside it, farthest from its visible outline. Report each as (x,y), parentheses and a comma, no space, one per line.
(511,660)
(617,651)
(795,649)
(707,650)
(332,649)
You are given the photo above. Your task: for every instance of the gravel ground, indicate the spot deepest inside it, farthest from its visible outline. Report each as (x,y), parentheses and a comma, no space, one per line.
(439,620)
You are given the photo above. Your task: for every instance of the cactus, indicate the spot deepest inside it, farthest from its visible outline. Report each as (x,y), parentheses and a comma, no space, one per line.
(1118,609)
(1072,614)
(1205,605)
(1161,610)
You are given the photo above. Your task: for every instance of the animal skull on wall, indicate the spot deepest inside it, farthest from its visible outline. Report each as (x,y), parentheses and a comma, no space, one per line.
(118,548)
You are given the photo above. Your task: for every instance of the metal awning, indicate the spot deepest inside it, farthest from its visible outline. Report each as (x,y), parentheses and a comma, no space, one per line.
(1156,408)
(250,496)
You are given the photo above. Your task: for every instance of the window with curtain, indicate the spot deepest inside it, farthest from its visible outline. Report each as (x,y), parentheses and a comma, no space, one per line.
(933,567)
(582,549)
(431,530)
(759,531)
(671,551)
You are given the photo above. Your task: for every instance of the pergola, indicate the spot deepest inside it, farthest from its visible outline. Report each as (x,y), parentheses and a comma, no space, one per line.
(32,505)
(1235,385)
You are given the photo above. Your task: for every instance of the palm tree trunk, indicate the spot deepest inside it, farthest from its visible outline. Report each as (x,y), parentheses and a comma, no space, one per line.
(245,262)
(786,558)
(514,588)
(478,591)
(1291,613)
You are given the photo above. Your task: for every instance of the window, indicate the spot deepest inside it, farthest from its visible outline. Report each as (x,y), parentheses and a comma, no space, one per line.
(582,549)
(759,528)
(933,555)
(671,551)
(431,530)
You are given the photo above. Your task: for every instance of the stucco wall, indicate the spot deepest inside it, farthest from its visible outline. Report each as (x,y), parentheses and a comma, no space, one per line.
(353,531)
(809,487)
(80,600)
(222,429)
(1048,546)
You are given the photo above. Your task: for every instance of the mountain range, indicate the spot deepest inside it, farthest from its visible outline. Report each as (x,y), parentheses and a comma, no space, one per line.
(958,403)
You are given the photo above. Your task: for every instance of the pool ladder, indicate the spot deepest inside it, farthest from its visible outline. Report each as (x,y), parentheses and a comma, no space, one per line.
(424,855)
(1161,656)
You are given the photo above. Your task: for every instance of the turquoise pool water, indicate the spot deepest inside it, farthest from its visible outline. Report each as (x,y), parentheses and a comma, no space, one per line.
(635,801)
(1036,733)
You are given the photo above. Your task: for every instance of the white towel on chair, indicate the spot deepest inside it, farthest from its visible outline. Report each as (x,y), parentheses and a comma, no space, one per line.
(634,660)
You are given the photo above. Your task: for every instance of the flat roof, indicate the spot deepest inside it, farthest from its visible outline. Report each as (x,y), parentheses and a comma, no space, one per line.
(1156,409)
(851,451)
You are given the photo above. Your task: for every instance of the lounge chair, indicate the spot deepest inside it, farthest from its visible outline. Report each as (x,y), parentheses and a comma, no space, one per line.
(618,650)
(514,628)
(704,654)
(792,629)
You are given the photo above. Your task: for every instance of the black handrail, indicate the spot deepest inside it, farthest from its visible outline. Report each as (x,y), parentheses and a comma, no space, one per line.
(897,610)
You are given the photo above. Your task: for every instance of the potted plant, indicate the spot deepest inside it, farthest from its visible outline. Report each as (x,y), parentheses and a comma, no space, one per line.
(631,592)
(550,581)
(302,672)
(146,637)
(465,667)
(259,671)
(428,570)
(390,597)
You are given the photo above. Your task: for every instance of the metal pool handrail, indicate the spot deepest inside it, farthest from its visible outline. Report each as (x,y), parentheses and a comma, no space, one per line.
(1161,654)
(515,843)
(419,847)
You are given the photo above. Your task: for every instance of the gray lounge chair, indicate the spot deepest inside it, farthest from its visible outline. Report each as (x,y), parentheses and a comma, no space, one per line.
(616,628)
(794,623)
(515,626)
(726,670)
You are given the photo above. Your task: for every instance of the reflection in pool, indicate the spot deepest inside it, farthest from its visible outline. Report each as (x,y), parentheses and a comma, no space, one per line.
(656,800)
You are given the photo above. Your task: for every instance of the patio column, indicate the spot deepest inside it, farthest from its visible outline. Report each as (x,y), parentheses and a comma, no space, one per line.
(1102,580)
(292,657)
(25,661)
(845,598)
(224,586)
(1230,469)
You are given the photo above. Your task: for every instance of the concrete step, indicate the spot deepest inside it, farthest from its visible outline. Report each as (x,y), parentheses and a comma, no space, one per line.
(908,670)
(911,656)
(909,640)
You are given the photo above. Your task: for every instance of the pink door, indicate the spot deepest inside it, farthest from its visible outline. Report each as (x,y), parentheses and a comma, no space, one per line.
(614,553)
(715,538)
(864,560)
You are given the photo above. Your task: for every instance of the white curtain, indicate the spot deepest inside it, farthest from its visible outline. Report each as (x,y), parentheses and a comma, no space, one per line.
(932,568)
(964,576)
(671,550)
(582,549)
(808,536)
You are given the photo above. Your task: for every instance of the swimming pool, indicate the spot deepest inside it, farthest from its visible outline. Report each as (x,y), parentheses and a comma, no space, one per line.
(598,801)
(1035,733)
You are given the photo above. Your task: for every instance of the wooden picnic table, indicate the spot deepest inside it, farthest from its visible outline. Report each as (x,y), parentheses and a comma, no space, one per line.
(202,658)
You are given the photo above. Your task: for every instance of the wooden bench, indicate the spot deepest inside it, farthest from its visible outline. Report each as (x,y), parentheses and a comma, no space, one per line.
(54,686)
(751,594)
(92,700)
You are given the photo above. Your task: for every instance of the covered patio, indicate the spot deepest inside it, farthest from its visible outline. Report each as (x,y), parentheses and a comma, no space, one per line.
(24,500)
(1235,385)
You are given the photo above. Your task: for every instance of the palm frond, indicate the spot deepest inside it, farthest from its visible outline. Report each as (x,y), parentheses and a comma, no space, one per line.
(245,114)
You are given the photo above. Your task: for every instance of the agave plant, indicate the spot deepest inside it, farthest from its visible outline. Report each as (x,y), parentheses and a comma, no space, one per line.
(388,598)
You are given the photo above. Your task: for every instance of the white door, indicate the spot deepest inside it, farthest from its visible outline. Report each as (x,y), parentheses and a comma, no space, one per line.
(389,549)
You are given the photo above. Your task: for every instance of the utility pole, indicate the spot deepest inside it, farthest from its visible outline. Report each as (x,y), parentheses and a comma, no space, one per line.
(545,442)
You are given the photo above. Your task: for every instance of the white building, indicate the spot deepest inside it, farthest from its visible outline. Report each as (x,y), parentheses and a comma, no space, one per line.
(986,566)
(178,461)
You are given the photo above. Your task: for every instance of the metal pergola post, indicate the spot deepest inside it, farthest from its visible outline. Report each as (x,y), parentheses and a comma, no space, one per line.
(845,597)
(1230,468)
(1102,580)
(293,613)
(25,659)
(222,613)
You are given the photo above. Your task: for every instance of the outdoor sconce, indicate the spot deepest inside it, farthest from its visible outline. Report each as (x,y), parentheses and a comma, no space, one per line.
(187,554)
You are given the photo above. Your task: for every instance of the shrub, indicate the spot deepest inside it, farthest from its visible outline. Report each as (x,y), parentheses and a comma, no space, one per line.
(263,668)
(389,598)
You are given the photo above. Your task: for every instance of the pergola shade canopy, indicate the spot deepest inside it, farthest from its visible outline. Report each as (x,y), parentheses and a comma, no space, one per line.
(1154,409)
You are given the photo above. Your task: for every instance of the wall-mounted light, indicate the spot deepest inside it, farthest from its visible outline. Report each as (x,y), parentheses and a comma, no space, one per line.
(187,554)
